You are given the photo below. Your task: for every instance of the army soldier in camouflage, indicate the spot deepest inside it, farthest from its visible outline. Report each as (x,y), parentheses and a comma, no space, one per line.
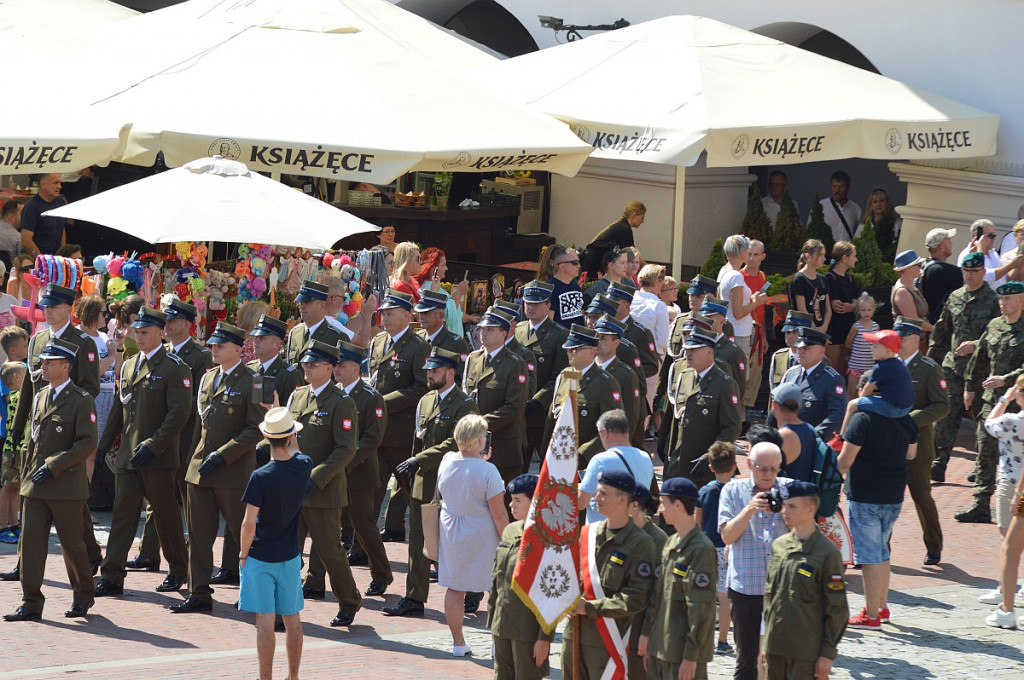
(997,361)
(431,308)
(962,321)
(511,312)
(312,302)
(786,358)
(609,331)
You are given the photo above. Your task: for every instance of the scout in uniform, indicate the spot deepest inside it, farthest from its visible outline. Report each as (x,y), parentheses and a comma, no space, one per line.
(705,408)
(397,355)
(511,312)
(431,309)
(824,389)
(784,359)
(617,571)
(520,645)
(679,631)
(54,485)
(154,402)
(805,609)
(598,392)
(224,457)
(641,338)
(312,301)
(640,510)
(954,339)
(544,337)
(609,331)
(436,416)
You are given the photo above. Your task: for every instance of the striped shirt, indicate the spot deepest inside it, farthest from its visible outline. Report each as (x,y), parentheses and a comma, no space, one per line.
(748,556)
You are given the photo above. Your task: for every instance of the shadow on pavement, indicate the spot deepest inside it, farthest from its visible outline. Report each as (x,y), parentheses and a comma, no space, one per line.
(882,668)
(104,627)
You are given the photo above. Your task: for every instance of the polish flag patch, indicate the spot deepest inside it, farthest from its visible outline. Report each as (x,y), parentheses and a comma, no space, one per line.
(735,399)
(531,367)
(743,366)
(942,384)
(839,389)
(187,382)
(464,357)
(346,424)
(522,379)
(380,413)
(92,356)
(636,393)
(650,346)
(616,396)
(636,362)
(92,416)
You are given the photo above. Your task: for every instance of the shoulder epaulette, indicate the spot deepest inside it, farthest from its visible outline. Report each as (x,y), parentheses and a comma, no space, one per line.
(639,325)
(929,361)
(175,358)
(831,371)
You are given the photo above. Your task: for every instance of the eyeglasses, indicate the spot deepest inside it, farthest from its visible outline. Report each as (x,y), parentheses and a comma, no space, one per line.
(767,468)
(574,263)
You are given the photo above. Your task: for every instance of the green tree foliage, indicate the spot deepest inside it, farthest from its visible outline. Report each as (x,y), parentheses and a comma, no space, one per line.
(817,228)
(756,224)
(872,267)
(716,260)
(788,235)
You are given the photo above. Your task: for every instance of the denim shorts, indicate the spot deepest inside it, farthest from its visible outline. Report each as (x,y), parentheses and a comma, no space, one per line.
(271,587)
(878,405)
(870,528)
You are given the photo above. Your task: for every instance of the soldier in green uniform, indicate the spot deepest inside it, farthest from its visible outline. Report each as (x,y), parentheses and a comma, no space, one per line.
(498,381)
(223,458)
(700,287)
(431,309)
(784,359)
(436,416)
(511,312)
(641,338)
(805,609)
(931,402)
(609,331)
(397,355)
(598,392)
(520,645)
(54,485)
(312,301)
(964,317)
(726,350)
(544,337)
(268,339)
(627,352)
(997,361)
(704,402)
(640,510)
(679,631)
(154,401)
(617,570)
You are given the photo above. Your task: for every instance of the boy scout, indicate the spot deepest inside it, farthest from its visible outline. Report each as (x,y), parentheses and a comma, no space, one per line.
(312,301)
(640,509)
(609,331)
(155,400)
(55,486)
(431,310)
(223,459)
(805,609)
(679,630)
(617,571)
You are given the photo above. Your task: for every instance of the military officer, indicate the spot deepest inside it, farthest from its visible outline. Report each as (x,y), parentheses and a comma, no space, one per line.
(952,342)
(329,436)
(824,389)
(700,287)
(805,608)
(154,400)
(55,486)
(931,402)
(544,337)
(312,301)
(268,339)
(431,309)
(436,416)
(498,381)
(598,392)
(679,629)
(511,312)
(726,350)
(641,338)
(997,361)
(223,459)
(628,352)
(784,359)
(617,586)
(667,375)
(397,356)
(705,409)
(609,331)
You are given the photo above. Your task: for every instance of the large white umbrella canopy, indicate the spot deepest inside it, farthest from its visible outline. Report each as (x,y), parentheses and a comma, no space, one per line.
(213,199)
(666,90)
(344,89)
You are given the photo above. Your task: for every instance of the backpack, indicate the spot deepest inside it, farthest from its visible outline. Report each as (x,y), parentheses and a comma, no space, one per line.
(828,478)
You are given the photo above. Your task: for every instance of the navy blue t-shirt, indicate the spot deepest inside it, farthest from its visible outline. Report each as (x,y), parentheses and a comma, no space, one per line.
(277,489)
(893,381)
(879,473)
(47,231)
(707,499)
(566,302)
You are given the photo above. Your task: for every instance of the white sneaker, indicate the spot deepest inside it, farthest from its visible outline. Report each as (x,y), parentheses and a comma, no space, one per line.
(1001,619)
(465,650)
(991,597)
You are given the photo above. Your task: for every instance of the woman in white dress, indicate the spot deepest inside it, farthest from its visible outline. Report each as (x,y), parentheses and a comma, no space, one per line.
(471,521)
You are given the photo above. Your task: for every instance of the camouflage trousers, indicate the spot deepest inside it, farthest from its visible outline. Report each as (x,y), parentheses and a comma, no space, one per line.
(946,430)
(988,458)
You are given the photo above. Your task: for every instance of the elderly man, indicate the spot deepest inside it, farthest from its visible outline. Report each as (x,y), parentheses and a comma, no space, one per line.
(613,429)
(841,214)
(824,389)
(983,240)
(938,277)
(777,185)
(337,288)
(44,235)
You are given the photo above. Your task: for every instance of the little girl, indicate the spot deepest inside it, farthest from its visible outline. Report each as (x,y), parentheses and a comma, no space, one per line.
(860,349)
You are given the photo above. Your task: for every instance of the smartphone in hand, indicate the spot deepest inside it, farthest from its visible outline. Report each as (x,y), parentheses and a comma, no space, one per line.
(765,287)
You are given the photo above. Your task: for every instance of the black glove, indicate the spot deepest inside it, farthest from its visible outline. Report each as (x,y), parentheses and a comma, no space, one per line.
(532,406)
(42,474)
(407,467)
(143,456)
(700,466)
(211,463)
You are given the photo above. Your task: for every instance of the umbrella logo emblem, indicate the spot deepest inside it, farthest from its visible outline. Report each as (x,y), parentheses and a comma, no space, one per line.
(893,140)
(583,133)
(227,148)
(739,146)
(462,158)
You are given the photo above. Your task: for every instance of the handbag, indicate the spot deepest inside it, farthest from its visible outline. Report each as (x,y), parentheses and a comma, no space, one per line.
(430,518)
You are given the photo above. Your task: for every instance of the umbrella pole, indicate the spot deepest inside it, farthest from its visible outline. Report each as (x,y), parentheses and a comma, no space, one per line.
(678,208)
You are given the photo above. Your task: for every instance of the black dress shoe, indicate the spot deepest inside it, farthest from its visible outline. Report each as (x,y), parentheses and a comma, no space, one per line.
(977,514)
(105,588)
(12,575)
(141,562)
(224,577)
(433,575)
(171,584)
(378,588)
(22,614)
(405,607)
(77,609)
(392,536)
(94,565)
(971,477)
(472,602)
(313,593)
(938,474)
(190,605)
(358,559)
(931,559)
(342,619)
(346,541)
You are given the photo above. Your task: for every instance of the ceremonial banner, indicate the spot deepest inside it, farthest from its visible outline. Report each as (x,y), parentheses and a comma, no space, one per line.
(837,531)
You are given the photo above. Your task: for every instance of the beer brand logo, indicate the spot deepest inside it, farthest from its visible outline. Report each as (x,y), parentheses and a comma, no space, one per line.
(893,141)
(227,148)
(739,146)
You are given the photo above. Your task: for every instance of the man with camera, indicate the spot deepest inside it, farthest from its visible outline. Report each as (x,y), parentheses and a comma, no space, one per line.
(749,520)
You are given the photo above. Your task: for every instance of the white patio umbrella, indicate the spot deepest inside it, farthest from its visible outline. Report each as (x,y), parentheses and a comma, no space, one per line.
(213,199)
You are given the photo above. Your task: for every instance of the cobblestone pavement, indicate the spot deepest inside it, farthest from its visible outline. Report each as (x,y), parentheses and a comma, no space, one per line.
(937,628)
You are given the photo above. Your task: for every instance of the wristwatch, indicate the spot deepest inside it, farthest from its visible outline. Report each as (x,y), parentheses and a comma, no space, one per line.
(1002,399)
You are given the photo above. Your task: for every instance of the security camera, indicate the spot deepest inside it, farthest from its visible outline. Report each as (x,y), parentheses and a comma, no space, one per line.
(553,23)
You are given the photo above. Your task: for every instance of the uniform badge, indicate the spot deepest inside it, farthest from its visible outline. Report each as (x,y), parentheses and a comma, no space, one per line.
(186,382)
(540,360)
(636,393)
(836,583)
(92,417)
(583,412)
(346,424)
(650,346)
(379,412)
(92,356)
(60,428)
(616,396)
(531,367)
(735,399)
(643,569)
(618,558)
(679,569)
(702,580)
(839,389)
(636,362)
(704,412)
(743,366)
(806,570)
(522,379)
(942,384)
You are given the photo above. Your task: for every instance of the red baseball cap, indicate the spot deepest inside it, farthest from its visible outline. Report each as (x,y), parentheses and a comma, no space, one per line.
(887,338)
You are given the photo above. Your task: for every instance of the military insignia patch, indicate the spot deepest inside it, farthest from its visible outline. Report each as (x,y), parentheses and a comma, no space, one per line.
(92,416)
(346,424)
(636,393)
(380,413)
(616,396)
(643,569)
(531,367)
(636,362)
(186,382)
(522,379)
(464,357)
(702,580)
(92,356)
(650,346)
(839,389)
(617,558)
(735,399)
(942,384)
(743,366)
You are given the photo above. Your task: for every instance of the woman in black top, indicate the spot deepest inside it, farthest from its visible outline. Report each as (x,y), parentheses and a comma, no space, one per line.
(842,291)
(809,293)
(618,233)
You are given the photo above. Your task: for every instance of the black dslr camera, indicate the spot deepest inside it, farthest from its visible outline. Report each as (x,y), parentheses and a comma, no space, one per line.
(773,498)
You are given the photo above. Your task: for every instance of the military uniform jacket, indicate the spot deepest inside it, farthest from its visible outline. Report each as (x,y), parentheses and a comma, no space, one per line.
(625,562)
(675,334)
(731,354)
(435,436)
(630,355)
(364,468)
(805,609)
(680,622)
(286,377)
(546,345)
(598,392)
(641,336)
(229,419)
(1000,351)
(398,374)
(705,410)
(500,389)
(964,317)
(530,358)
(507,616)
(931,399)
(155,402)
(782,360)
(299,338)
(824,398)
(62,436)
(199,361)
(629,389)
(447,340)
(329,436)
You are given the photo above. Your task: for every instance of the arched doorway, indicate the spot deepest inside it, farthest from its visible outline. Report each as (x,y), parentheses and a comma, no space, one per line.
(484,21)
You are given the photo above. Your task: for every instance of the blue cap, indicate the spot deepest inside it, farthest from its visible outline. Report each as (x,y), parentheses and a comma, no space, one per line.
(700,337)
(58,349)
(609,325)
(496,318)
(149,317)
(179,309)
(310,291)
(810,336)
(973,260)
(538,291)
(268,325)
(509,308)
(319,351)
(712,305)
(702,285)
(394,299)
(905,325)
(795,320)
(617,479)
(431,300)
(349,352)
(696,320)
(1011,288)
(580,336)
(225,332)
(442,358)
(788,392)
(603,304)
(524,484)
(621,291)
(679,487)
(796,488)
(908,258)
(55,295)
(642,494)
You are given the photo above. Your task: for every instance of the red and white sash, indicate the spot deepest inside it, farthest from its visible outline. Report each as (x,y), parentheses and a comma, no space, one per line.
(614,642)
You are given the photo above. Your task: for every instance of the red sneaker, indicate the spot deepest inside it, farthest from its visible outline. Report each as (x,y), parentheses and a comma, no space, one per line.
(883,615)
(836,443)
(862,620)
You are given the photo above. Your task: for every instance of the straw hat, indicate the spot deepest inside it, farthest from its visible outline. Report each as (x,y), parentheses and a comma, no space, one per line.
(278,423)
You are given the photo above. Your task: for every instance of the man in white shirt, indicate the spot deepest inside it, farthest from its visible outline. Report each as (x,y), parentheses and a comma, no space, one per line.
(983,240)
(841,214)
(777,185)
(613,430)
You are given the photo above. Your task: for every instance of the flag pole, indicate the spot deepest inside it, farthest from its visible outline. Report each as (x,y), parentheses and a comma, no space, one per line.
(574,376)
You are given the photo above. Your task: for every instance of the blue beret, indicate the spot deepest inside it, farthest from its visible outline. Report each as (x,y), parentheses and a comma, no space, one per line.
(524,484)
(617,479)
(679,487)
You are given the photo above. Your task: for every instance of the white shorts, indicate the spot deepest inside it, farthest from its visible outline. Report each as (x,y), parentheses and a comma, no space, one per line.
(1004,503)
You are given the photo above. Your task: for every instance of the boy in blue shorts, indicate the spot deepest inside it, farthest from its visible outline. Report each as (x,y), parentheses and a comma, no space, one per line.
(722,459)
(271,557)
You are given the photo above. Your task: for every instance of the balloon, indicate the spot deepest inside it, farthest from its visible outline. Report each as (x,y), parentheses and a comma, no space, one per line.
(353,287)
(328,259)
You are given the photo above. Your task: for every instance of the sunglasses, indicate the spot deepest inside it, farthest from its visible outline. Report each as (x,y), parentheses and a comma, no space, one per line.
(574,263)
(988,235)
